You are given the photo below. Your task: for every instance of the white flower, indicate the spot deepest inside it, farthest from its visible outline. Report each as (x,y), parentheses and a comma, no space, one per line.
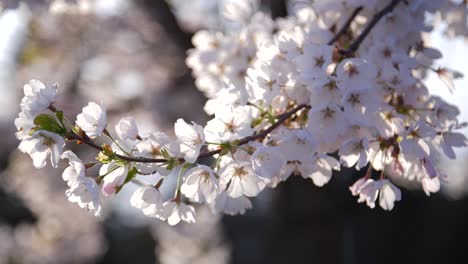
(325,92)
(200,184)
(429,167)
(241,179)
(388,122)
(156,143)
(149,200)
(24,123)
(177,211)
(40,145)
(231,206)
(297,144)
(230,123)
(313,63)
(114,177)
(414,148)
(368,191)
(327,124)
(263,83)
(239,11)
(127,129)
(267,162)
(415,144)
(357,186)
(92,120)
(389,193)
(75,170)
(355,151)
(450,140)
(355,73)
(85,192)
(430,185)
(360,104)
(37,97)
(191,138)
(320,169)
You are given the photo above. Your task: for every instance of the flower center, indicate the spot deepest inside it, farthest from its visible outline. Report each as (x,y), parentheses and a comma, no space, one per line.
(240,172)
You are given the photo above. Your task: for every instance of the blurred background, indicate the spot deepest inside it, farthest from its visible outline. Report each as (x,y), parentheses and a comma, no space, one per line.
(130,55)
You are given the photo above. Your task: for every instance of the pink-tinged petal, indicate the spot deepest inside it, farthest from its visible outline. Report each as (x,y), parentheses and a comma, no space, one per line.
(429,167)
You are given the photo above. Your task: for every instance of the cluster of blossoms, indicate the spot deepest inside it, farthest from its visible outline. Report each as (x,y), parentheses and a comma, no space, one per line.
(336,84)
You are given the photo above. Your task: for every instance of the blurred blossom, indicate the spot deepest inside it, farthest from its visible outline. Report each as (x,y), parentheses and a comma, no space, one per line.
(129,84)
(197,14)
(102,8)
(108,8)
(197,243)
(81,7)
(13,29)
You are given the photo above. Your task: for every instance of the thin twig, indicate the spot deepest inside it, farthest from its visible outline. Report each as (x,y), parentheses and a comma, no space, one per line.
(259,135)
(241,142)
(127,158)
(345,26)
(375,19)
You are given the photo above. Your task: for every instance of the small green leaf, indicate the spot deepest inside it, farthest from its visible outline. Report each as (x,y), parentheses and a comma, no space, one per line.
(59,115)
(48,123)
(130,176)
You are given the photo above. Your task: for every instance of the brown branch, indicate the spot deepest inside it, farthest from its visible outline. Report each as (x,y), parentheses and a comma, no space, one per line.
(259,135)
(375,19)
(345,26)
(90,143)
(207,154)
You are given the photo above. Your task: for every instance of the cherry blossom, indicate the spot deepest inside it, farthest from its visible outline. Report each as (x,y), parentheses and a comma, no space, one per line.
(113,177)
(75,170)
(127,128)
(177,212)
(149,200)
(37,97)
(24,123)
(200,184)
(389,193)
(301,95)
(85,192)
(230,123)
(191,138)
(42,144)
(92,120)
(232,206)
(240,179)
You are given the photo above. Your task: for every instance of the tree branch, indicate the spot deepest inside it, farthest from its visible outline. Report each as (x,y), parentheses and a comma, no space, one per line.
(259,135)
(207,154)
(345,26)
(375,19)
(90,143)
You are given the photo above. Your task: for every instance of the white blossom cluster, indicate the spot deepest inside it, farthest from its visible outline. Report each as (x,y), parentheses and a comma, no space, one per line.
(286,101)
